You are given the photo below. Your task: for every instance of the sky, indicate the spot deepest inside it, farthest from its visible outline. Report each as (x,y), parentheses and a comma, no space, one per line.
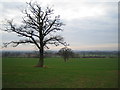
(90,24)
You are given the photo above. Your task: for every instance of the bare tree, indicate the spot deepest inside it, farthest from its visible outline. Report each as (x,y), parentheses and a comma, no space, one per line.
(38,27)
(66,53)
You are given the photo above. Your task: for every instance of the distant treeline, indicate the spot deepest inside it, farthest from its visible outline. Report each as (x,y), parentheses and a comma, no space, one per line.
(77,54)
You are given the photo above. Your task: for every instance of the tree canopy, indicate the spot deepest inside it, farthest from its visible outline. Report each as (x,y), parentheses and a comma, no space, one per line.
(66,53)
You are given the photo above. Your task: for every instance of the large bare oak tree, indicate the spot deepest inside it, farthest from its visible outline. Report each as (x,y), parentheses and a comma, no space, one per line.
(38,27)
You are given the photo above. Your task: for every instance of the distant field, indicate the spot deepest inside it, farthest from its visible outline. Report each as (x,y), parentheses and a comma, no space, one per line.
(76,73)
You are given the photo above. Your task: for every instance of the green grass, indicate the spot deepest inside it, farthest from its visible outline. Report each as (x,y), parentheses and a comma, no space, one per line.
(76,73)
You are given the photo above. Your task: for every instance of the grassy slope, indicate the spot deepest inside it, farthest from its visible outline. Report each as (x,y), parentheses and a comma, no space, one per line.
(76,73)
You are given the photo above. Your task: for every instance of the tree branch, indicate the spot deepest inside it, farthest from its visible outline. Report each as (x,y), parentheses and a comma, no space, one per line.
(16,43)
(55,40)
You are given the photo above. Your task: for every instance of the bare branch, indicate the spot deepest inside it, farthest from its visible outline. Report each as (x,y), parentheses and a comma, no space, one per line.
(55,40)
(16,43)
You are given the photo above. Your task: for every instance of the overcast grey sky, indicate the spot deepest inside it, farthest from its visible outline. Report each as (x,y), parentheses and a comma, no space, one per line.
(90,24)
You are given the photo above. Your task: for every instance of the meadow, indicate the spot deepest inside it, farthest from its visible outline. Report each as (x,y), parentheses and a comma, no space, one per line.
(76,73)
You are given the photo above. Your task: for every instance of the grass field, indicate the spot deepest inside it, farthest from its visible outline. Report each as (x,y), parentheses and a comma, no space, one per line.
(76,73)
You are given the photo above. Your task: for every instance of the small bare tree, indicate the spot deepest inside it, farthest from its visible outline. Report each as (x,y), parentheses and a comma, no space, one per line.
(66,53)
(38,27)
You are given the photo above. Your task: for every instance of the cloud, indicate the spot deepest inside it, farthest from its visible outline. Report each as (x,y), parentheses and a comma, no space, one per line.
(78,10)
(92,30)
(89,24)
(15,1)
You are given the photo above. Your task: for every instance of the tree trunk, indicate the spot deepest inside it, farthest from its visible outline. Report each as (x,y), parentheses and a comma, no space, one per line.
(41,49)
(65,59)
(41,58)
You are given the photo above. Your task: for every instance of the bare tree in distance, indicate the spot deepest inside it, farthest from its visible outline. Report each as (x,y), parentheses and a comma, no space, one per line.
(38,27)
(66,53)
